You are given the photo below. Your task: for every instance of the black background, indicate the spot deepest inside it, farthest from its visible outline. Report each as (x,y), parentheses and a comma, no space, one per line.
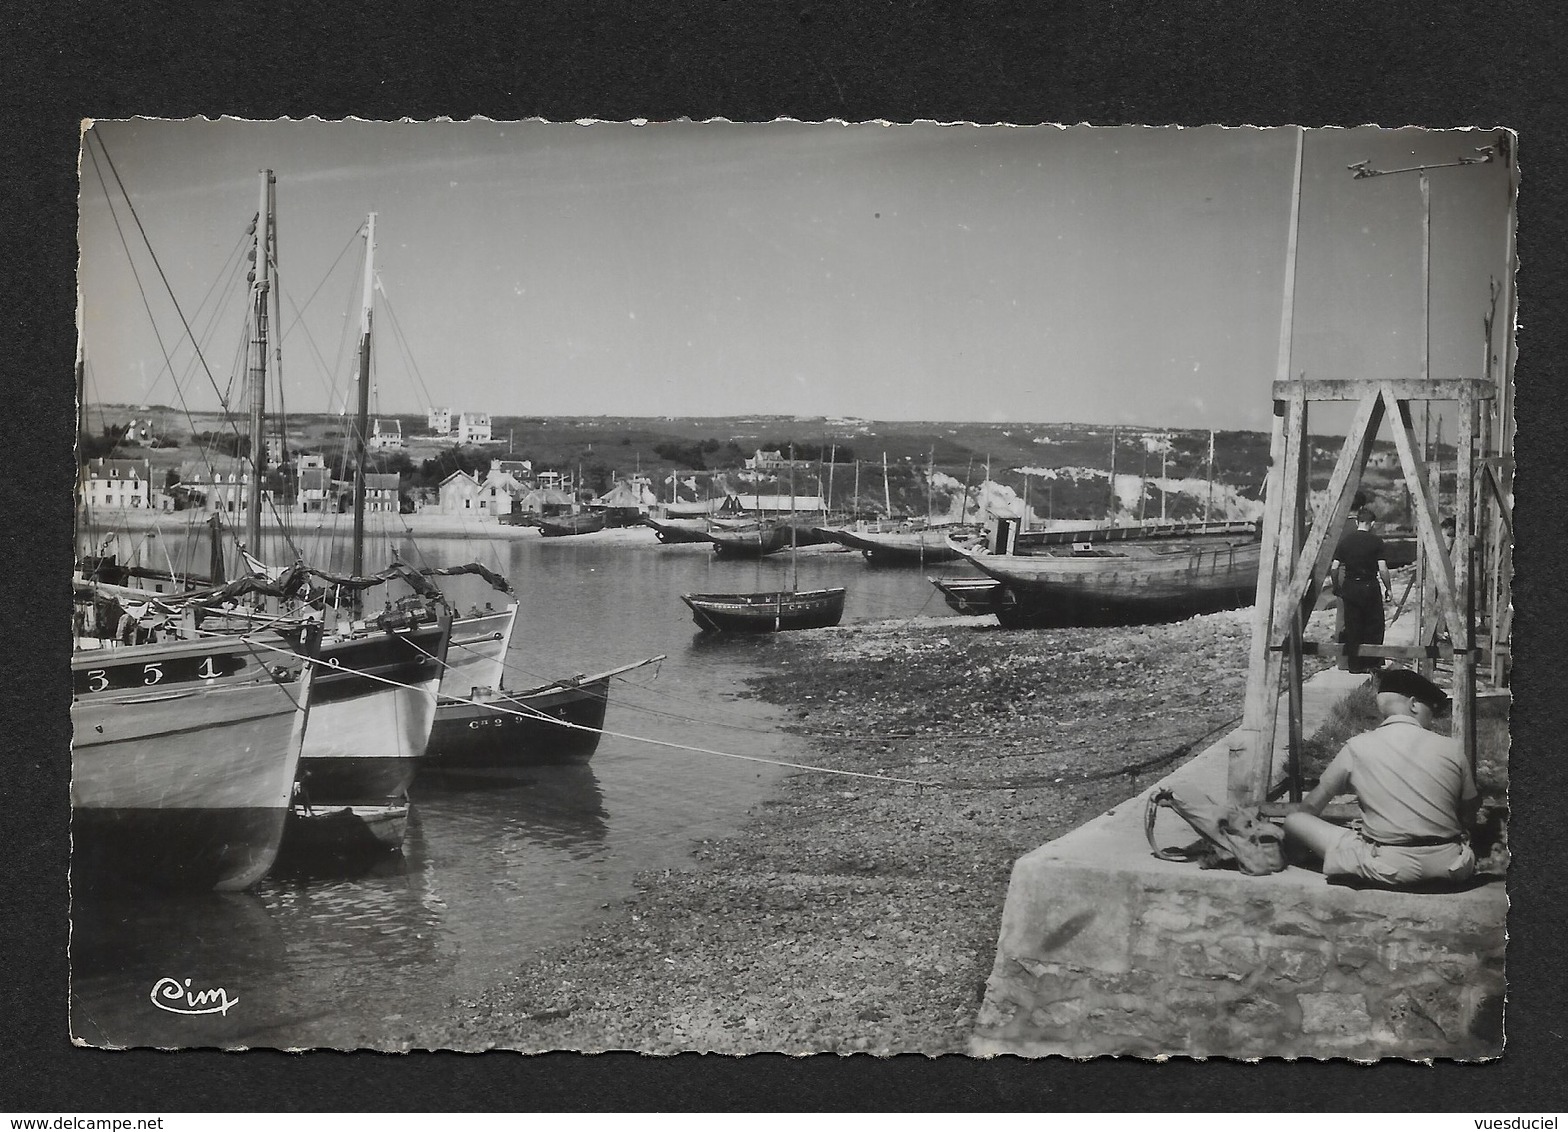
(1180,61)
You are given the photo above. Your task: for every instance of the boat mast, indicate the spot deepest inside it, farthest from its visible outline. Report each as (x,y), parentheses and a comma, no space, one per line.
(258,366)
(827,504)
(983,495)
(1208,508)
(364,398)
(1165,450)
(887,492)
(794,577)
(930,472)
(1111,505)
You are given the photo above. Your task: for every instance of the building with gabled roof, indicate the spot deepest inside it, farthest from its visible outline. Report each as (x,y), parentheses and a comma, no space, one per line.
(117,483)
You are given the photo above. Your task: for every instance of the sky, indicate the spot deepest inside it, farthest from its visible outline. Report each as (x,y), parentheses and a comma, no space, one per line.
(1128,275)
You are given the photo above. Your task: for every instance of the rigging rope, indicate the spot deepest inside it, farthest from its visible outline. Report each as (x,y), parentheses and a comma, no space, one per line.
(534,714)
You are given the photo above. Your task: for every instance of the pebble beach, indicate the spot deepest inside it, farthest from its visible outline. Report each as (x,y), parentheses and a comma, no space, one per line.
(858,914)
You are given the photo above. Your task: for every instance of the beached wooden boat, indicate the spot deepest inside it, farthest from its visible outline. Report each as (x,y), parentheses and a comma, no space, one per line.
(753,541)
(1129,575)
(672,531)
(768,612)
(184,756)
(973,597)
(912,545)
(560,526)
(497,728)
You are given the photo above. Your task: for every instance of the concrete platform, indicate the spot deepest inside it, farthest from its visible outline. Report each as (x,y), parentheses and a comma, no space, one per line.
(1105,949)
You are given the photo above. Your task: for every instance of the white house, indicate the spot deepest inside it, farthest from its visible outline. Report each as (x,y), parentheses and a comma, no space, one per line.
(487,497)
(473,428)
(223,484)
(381,492)
(117,483)
(439,421)
(315,486)
(385,434)
(774,461)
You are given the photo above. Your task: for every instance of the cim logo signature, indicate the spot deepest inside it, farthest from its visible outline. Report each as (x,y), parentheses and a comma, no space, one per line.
(178,998)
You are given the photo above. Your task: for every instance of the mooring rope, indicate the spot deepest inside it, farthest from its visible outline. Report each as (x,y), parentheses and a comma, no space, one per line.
(532,713)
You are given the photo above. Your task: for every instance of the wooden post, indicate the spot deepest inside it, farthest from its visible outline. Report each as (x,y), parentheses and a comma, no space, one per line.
(1250,755)
(1462,634)
(1252,748)
(1293,610)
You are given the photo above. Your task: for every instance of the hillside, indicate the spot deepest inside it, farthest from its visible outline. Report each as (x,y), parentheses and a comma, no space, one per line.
(1061,469)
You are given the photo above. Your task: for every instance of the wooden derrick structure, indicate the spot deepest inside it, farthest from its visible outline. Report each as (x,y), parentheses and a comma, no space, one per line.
(1296,556)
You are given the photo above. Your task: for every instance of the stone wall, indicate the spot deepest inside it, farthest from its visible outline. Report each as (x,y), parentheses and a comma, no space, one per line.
(1106,949)
(1166,959)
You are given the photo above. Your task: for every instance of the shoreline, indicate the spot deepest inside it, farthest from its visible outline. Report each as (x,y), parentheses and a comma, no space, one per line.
(851,915)
(186,524)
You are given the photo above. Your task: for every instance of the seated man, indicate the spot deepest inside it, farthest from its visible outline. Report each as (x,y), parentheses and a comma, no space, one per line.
(1416,792)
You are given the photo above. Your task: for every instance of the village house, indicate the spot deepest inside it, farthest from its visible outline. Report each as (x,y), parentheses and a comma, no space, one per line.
(439,421)
(546,501)
(770,504)
(315,486)
(385,434)
(624,505)
(487,497)
(381,493)
(473,428)
(117,483)
(221,485)
(774,461)
(520,470)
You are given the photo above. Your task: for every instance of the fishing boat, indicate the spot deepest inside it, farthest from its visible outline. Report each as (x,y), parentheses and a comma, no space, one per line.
(673,531)
(767,612)
(476,651)
(376,698)
(903,542)
(1128,575)
(375,704)
(578,523)
(910,544)
(755,540)
(491,727)
(184,755)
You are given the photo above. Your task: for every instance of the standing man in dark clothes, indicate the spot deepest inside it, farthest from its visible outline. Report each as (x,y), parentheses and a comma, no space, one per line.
(1362,581)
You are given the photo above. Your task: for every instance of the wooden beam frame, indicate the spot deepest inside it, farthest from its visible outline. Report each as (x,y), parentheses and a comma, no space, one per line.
(1403,388)
(1296,561)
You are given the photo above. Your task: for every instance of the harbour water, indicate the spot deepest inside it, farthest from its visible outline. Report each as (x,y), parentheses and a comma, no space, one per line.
(491,871)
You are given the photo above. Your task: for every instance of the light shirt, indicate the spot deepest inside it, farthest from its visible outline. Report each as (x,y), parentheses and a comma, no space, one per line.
(1408,780)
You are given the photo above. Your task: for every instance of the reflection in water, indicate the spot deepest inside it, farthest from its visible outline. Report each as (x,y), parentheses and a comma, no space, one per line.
(496,867)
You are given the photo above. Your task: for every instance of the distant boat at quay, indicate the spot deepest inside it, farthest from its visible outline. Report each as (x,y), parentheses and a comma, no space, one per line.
(671,531)
(754,540)
(1127,575)
(579,523)
(906,544)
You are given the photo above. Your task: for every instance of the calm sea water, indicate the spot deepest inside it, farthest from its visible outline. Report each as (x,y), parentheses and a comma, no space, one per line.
(489,873)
